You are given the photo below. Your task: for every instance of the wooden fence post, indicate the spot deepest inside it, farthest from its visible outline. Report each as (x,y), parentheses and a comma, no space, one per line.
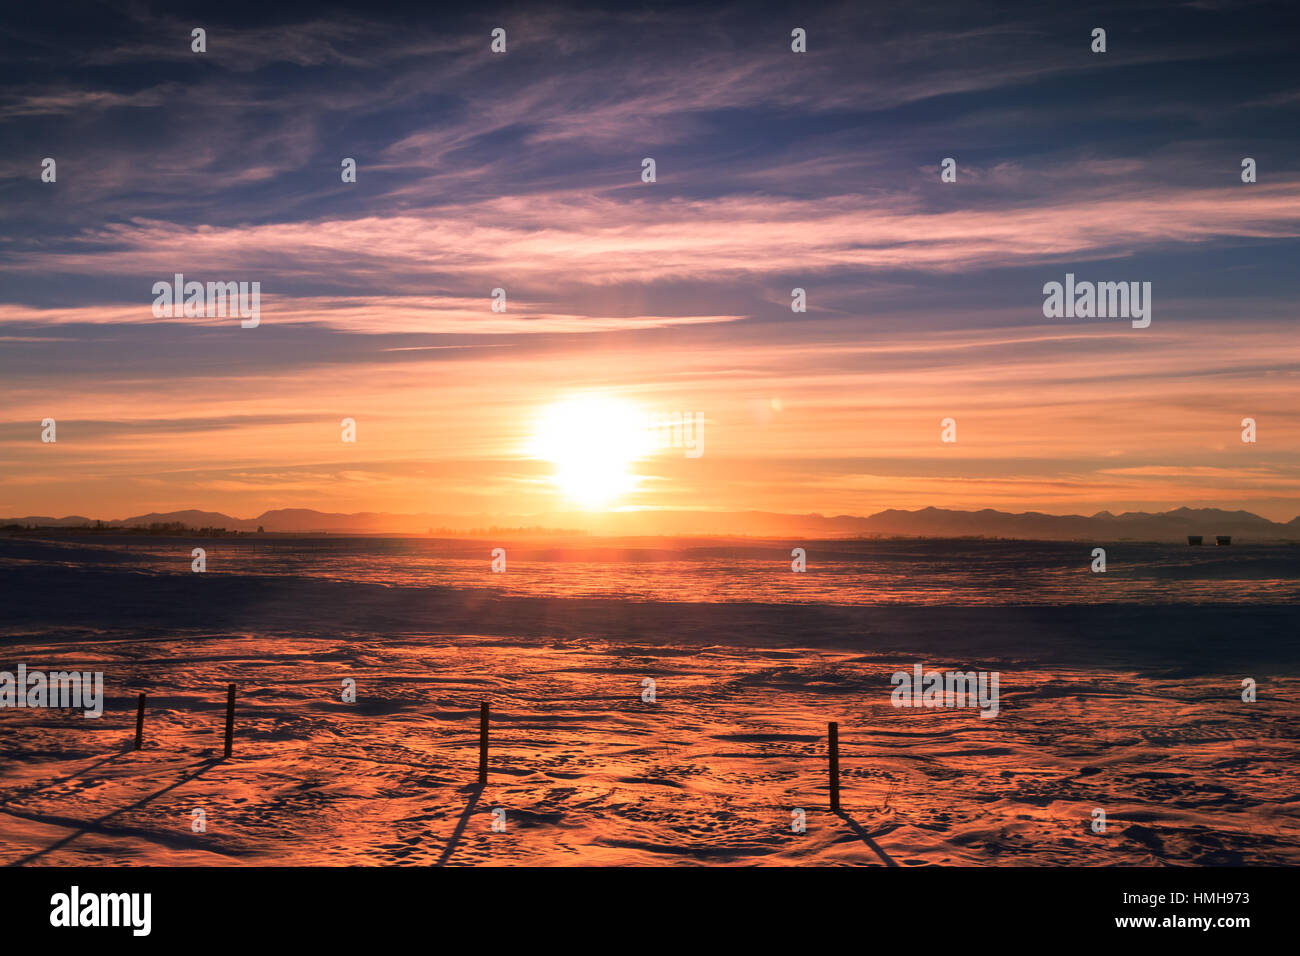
(230,717)
(139,723)
(482,742)
(833,733)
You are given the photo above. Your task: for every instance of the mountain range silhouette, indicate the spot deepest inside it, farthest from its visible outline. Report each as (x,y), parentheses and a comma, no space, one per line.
(927,522)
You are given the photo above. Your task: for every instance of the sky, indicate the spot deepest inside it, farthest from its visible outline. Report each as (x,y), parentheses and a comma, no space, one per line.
(523,171)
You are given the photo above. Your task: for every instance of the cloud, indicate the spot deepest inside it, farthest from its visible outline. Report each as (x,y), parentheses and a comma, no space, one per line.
(566,241)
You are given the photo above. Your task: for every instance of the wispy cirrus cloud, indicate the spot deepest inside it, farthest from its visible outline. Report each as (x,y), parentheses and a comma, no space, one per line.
(540,242)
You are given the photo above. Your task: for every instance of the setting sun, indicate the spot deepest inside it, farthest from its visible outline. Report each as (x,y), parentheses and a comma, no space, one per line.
(592,441)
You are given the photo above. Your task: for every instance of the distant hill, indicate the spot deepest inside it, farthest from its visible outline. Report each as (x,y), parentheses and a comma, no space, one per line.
(43,521)
(191,519)
(927,522)
(1163,526)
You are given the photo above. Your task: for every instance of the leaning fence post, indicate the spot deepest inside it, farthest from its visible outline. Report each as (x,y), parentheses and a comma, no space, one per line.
(230,717)
(139,723)
(482,742)
(833,733)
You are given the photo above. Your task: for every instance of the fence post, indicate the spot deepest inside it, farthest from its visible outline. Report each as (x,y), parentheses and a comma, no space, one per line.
(139,723)
(230,717)
(482,742)
(833,733)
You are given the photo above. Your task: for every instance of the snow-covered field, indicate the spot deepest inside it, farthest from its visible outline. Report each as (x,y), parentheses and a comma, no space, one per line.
(587,772)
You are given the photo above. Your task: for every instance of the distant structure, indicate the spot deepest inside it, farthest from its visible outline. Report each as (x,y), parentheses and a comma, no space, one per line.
(1223,539)
(1194,539)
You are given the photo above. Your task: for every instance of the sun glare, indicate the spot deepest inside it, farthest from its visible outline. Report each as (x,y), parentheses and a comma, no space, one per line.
(592,441)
